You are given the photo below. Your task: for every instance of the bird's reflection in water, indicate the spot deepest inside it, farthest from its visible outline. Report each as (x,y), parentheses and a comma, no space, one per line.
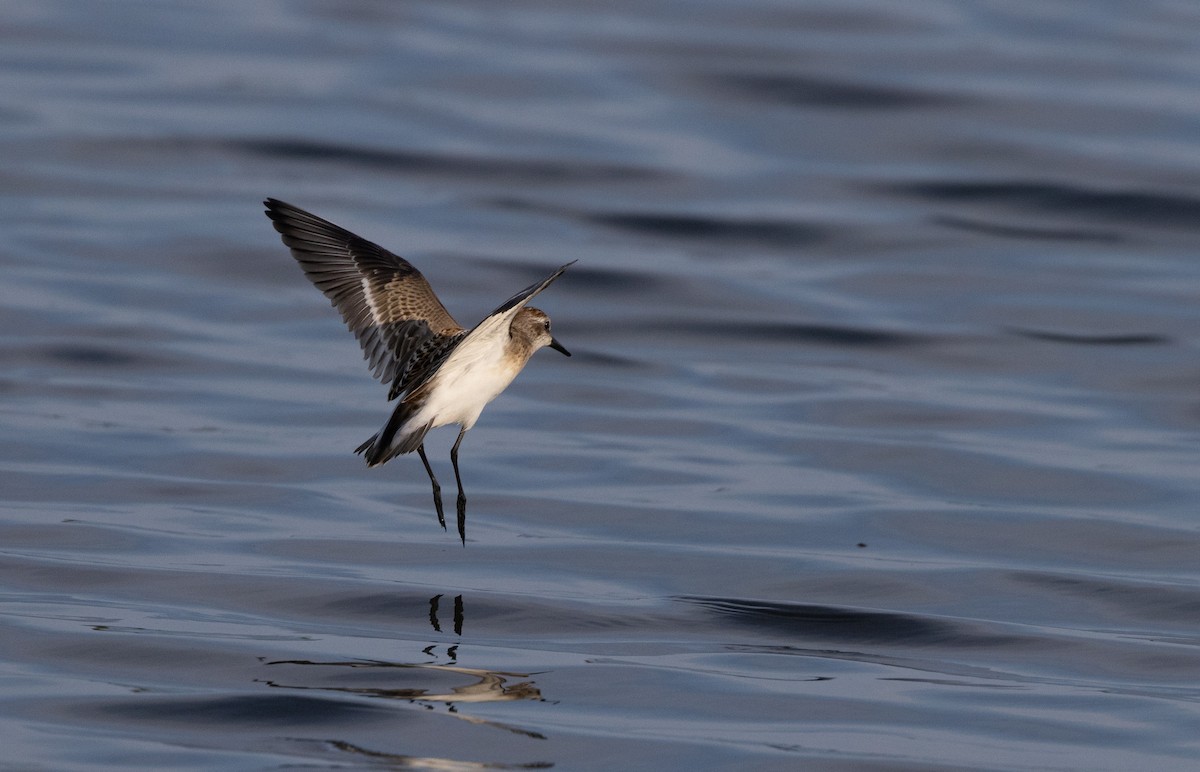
(402,761)
(488,686)
(458,614)
(483,685)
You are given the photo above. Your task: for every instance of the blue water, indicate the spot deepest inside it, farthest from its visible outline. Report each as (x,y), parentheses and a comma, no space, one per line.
(879,449)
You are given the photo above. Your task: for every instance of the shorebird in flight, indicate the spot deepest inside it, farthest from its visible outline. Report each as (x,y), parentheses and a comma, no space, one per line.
(441,372)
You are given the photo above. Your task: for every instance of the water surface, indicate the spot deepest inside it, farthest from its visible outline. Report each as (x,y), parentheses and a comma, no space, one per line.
(878,449)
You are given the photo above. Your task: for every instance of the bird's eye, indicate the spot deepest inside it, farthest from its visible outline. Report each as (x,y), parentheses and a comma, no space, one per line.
(546,324)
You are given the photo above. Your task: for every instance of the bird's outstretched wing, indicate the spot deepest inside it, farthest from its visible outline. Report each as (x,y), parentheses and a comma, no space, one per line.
(404,330)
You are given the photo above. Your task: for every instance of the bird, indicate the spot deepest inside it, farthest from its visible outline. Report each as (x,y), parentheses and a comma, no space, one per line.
(440,372)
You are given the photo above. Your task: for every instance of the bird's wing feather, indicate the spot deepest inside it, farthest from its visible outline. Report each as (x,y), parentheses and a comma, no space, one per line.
(518,301)
(404,330)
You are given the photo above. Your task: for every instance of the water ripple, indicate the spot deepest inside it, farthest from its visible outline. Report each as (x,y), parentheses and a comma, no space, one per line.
(396,161)
(1131,206)
(812,91)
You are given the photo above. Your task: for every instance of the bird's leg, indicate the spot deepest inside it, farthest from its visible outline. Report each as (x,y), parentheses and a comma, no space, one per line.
(462,497)
(437,489)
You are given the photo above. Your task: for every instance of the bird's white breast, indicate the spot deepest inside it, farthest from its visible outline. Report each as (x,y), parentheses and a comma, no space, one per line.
(474,374)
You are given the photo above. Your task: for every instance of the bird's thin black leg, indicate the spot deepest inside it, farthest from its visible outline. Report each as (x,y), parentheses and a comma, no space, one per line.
(462,497)
(437,489)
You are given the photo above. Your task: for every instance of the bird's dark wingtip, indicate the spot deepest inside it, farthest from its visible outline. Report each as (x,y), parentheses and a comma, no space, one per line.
(274,208)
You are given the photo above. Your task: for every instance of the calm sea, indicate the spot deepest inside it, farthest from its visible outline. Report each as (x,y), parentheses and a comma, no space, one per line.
(879,449)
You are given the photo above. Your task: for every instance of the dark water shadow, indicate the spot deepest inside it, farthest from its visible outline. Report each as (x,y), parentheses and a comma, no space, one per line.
(243,710)
(710,229)
(707,228)
(819,92)
(1130,339)
(852,625)
(410,163)
(1127,206)
(1008,231)
(751,332)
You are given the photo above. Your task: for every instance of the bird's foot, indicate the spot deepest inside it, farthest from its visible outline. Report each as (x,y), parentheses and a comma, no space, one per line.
(462,517)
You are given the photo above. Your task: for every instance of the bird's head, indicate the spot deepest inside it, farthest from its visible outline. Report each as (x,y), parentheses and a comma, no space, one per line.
(533,326)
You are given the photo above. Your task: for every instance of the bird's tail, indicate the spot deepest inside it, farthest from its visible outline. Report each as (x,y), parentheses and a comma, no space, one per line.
(395,438)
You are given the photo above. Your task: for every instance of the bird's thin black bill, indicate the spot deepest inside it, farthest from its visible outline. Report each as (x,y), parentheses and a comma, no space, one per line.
(559,347)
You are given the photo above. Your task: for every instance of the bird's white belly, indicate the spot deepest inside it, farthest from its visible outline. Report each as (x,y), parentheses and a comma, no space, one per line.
(460,393)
